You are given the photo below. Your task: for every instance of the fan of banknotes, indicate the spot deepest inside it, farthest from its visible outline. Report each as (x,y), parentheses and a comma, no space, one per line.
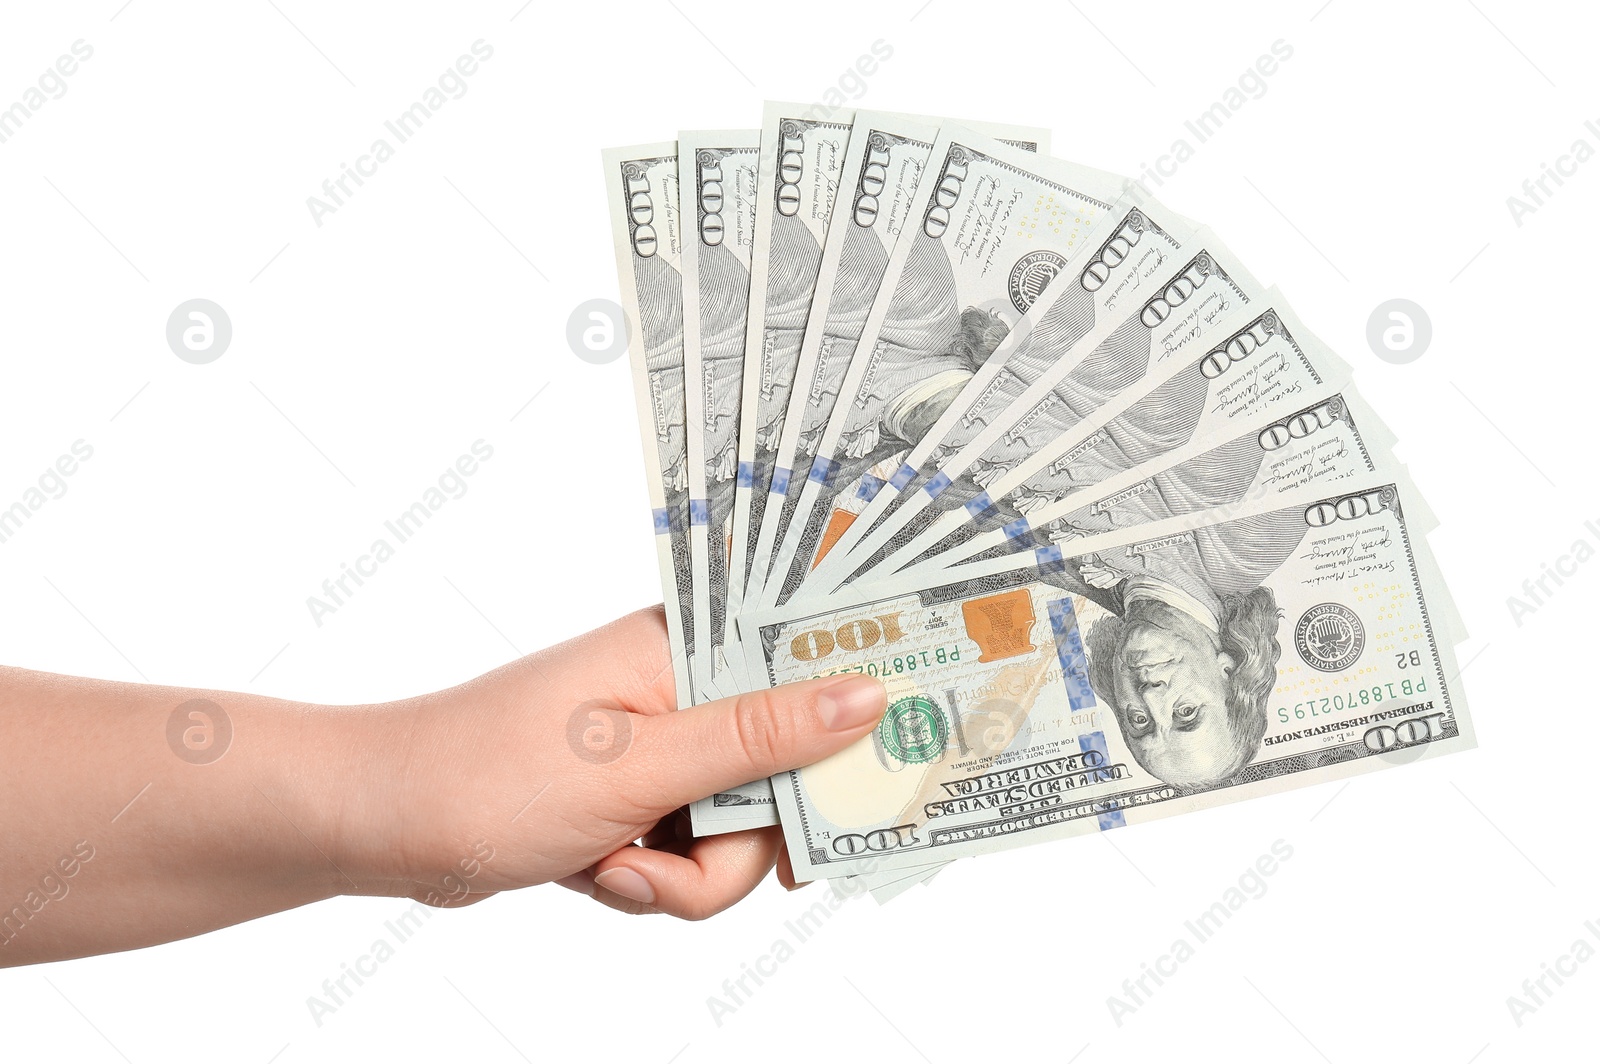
(920,401)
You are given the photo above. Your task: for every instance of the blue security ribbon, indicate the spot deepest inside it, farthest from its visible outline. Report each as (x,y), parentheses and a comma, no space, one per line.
(1110,815)
(1069,654)
(870,486)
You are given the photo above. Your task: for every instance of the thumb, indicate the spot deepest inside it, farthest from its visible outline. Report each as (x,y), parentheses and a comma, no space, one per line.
(716,746)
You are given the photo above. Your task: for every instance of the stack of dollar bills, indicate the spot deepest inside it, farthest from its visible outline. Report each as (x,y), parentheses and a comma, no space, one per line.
(920,401)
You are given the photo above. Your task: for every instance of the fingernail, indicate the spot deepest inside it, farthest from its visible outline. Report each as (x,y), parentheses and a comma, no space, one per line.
(582,882)
(628,883)
(850,703)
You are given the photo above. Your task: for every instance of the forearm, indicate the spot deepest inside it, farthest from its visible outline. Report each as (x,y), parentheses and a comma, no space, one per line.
(124,828)
(128,824)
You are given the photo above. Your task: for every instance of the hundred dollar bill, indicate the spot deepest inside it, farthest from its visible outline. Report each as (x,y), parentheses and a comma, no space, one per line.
(886,886)
(856,255)
(1192,299)
(1333,438)
(1294,643)
(885,154)
(1133,251)
(1251,364)
(887,892)
(1330,440)
(883,162)
(1111,273)
(991,228)
(647,235)
(803,149)
(717,183)
(717,190)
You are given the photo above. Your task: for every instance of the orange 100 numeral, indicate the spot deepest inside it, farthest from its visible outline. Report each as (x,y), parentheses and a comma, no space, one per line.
(852,635)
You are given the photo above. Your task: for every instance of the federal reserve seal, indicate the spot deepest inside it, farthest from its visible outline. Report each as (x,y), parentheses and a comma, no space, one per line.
(1330,637)
(913,731)
(1029,276)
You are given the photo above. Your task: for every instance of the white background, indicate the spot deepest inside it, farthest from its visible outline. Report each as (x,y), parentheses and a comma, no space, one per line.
(430,311)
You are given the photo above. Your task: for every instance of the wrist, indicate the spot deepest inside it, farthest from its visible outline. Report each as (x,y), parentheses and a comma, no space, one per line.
(359,789)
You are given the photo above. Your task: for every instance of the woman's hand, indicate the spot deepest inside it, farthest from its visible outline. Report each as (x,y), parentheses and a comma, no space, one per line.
(140,814)
(549,770)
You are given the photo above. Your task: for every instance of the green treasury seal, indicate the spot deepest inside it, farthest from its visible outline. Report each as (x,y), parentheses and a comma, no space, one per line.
(913,731)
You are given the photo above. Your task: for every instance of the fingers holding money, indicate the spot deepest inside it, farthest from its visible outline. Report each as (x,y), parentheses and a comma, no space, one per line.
(709,876)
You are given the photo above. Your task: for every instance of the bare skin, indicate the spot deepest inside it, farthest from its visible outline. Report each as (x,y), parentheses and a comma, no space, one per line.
(549,769)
